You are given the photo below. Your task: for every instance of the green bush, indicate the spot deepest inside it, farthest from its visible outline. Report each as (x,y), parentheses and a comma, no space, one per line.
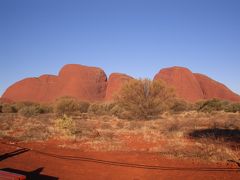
(212,105)
(8,108)
(144,99)
(66,105)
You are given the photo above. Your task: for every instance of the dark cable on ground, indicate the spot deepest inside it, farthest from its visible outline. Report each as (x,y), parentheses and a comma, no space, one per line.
(122,164)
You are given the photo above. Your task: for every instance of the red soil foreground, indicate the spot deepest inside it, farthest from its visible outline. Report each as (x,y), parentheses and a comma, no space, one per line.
(73,164)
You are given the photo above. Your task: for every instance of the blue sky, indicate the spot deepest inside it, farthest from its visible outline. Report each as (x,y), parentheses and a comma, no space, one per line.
(137,37)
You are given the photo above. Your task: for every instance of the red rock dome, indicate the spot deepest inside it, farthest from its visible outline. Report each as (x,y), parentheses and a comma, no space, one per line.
(213,89)
(90,84)
(194,87)
(183,81)
(81,82)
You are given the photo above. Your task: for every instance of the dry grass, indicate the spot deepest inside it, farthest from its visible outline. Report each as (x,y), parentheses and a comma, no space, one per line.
(170,135)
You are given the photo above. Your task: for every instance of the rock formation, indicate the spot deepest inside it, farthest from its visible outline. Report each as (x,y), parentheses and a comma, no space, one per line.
(91,84)
(214,89)
(194,87)
(183,81)
(82,82)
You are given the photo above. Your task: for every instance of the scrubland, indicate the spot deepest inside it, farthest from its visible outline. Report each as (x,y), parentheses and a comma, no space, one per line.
(153,123)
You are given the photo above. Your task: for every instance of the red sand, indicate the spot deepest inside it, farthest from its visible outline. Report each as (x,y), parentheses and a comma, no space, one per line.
(76,169)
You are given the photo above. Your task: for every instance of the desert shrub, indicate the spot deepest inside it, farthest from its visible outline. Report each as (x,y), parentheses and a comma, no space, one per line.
(83,107)
(233,107)
(101,108)
(29,111)
(66,105)
(212,105)
(180,106)
(8,108)
(1,108)
(144,99)
(46,108)
(66,124)
(20,105)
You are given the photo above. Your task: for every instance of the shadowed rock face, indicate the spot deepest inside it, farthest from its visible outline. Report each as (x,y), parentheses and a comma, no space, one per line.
(115,83)
(90,84)
(193,87)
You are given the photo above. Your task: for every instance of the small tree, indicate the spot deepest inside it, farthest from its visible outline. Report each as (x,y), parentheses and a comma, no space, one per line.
(144,98)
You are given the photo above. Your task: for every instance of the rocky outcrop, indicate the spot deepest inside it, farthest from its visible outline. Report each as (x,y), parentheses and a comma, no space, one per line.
(194,87)
(82,82)
(91,84)
(213,89)
(182,81)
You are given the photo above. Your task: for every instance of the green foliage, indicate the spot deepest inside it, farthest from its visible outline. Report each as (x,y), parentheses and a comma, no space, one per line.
(144,99)
(66,124)
(212,105)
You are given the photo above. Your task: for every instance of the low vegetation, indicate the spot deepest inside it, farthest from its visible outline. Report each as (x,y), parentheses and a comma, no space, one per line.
(145,116)
(66,125)
(144,99)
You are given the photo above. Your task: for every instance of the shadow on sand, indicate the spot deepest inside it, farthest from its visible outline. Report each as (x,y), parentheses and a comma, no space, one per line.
(12,154)
(33,175)
(227,135)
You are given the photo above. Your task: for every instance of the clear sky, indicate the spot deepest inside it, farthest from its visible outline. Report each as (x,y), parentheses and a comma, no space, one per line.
(137,37)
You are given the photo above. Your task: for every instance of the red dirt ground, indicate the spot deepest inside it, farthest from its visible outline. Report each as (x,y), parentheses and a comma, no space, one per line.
(87,169)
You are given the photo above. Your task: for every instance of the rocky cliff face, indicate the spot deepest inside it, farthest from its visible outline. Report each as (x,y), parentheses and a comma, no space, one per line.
(91,84)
